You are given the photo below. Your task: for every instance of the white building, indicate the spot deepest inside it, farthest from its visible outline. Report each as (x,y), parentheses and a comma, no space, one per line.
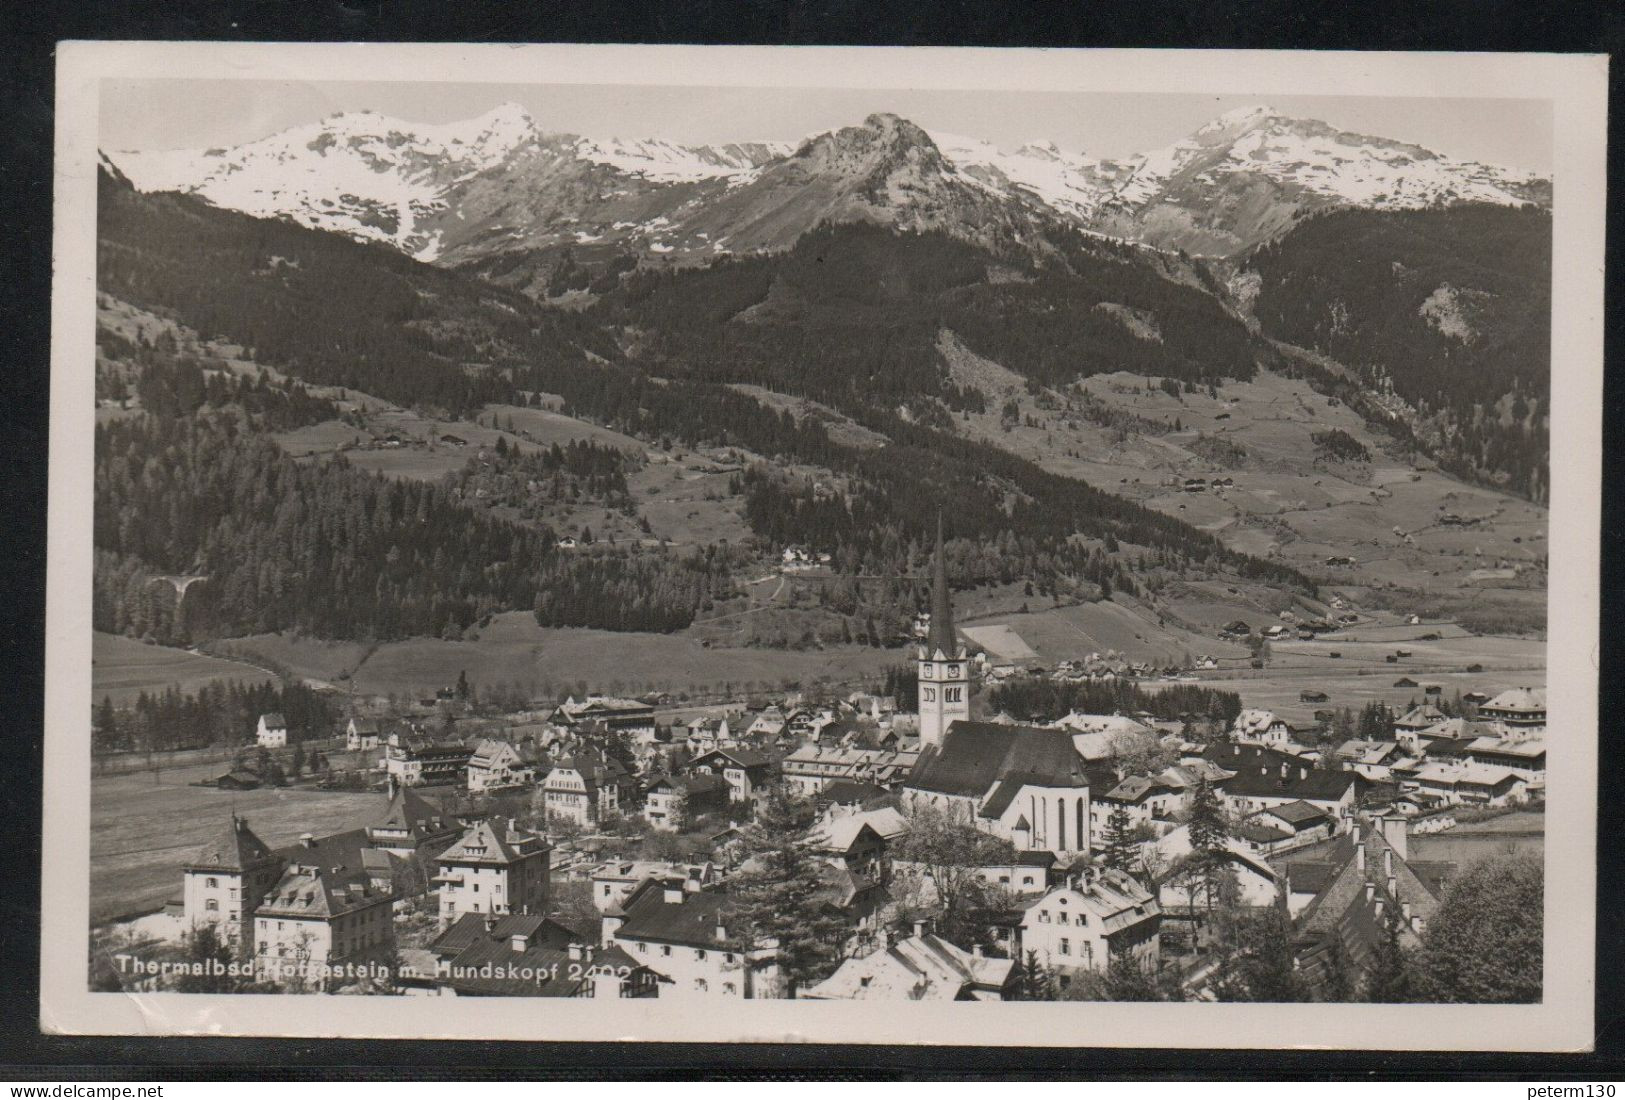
(494,868)
(1084,924)
(226,879)
(314,919)
(272,732)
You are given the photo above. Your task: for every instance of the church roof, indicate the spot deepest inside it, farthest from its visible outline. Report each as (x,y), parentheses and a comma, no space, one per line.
(974,756)
(942,638)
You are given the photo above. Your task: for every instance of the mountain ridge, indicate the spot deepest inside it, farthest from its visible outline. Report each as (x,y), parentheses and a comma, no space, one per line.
(466,192)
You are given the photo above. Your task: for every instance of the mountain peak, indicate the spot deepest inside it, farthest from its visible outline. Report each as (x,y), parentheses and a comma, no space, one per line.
(1239,121)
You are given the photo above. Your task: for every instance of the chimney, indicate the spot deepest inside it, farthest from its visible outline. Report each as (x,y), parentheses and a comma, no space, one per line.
(307,840)
(672,892)
(1359,853)
(922,928)
(1370,891)
(1303,773)
(1396,830)
(576,950)
(976,950)
(1388,862)
(1405,911)
(520,942)
(1393,886)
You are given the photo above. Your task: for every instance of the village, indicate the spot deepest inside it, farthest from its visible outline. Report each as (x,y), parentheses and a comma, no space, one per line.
(861,847)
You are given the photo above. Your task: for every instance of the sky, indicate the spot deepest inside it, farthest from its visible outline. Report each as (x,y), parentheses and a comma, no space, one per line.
(178,113)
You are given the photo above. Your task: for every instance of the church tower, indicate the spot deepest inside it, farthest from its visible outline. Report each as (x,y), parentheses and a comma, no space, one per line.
(944,671)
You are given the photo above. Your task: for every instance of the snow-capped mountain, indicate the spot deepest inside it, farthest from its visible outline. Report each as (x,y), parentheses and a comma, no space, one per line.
(1248,174)
(477,191)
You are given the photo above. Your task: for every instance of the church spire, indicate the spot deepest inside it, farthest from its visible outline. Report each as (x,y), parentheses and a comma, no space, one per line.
(942,638)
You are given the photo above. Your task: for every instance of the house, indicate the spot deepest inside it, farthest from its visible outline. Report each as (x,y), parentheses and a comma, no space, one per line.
(498,765)
(1373,759)
(1265,787)
(568,542)
(494,868)
(362,733)
(1085,923)
(845,795)
(587,788)
(1526,758)
(411,825)
(692,941)
(415,761)
(629,716)
(1261,727)
(766,725)
(612,882)
(238,779)
(1463,781)
(453,440)
(1419,718)
(1406,682)
(1031,873)
(852,843)
(1518,708)
(1349,896)
(1308,696)
(1145,799)
(1026,784)
(527,955)
(272,732)
(744,770)
(226,879)
(1178,892)
(922,967)
(323,928)
(1306,823)
(812,766)
(1096,737)
(673,801)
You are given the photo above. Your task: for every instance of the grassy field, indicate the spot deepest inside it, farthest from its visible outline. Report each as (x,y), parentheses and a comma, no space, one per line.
(513,651)
(142,832)
(123,668)
(1282,503)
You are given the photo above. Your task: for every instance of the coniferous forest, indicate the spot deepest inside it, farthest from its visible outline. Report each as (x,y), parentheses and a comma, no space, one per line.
(851,316)
(1447,310)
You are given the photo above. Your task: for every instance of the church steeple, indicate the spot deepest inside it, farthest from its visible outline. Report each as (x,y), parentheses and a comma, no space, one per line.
(944,674)
(942,638)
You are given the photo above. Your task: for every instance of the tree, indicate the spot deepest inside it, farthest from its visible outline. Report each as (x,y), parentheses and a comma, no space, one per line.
(1389,981)
(948,853)
(781,895)
(298,764)
(1120,845)
(1256,957)
(463,690)
(210,954)
(1036,982)
(1138,752)
(1484,944)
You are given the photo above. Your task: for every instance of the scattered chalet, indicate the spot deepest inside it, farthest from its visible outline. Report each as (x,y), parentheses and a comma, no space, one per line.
(923,967)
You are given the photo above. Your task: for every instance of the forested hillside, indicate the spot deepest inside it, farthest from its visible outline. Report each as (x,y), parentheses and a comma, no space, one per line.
(1448,312)
(193,485)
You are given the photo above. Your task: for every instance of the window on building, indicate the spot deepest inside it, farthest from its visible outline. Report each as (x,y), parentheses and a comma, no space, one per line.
(727,956)
(644,948)
(1061,918)
(212,883)
(729,988)
(1066,946)
(1043,916)
(211,905)
(699,953)
(701,984)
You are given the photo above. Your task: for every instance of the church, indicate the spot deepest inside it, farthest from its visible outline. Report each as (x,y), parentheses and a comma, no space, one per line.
(1023,783)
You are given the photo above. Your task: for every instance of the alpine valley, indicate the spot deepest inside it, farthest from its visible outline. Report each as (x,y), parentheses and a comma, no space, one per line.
(395,384)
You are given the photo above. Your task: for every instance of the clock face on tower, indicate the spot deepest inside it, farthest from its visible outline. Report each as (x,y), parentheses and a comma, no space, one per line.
(953,670)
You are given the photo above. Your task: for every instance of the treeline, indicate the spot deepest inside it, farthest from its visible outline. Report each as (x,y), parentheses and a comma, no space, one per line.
(852,315)
(180,387)
(1450,308)
(1033,699)
(324,308)
(323,548)
(1339,446)
(531,482)
(624,591)
(219,713)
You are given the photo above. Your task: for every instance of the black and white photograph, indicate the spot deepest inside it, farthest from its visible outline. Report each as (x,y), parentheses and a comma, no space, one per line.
(1091,546)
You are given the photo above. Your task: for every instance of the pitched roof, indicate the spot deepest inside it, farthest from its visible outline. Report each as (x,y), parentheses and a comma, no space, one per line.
(273,720)
(314,893)
(1517,699)
(745,758)
(692,921)
(1234,757)
(233,848)
(486,843)
(1299,782)
(974,756)
(542,931)
(919,968)
(1299,813)
(348,850)
(409,810)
